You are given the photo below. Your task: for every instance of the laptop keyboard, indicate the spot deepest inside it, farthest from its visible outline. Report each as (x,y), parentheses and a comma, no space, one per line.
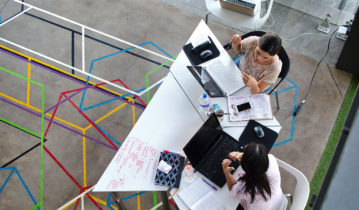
(212,166)
(225,76)
(242,3)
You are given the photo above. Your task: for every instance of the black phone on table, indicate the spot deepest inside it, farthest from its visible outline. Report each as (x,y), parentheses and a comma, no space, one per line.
(243,107)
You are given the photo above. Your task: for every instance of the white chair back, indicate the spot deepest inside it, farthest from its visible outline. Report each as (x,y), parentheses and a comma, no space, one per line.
(301,192)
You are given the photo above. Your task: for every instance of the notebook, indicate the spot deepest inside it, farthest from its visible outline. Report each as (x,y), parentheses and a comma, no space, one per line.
(198,195)
(261,108)
(173,177)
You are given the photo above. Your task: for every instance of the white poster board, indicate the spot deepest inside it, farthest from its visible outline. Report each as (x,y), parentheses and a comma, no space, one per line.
(135,160)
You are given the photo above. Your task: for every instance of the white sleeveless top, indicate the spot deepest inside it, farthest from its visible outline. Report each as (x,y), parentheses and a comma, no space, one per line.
(267,73)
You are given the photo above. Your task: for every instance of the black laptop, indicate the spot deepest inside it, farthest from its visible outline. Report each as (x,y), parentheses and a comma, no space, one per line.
(210,145)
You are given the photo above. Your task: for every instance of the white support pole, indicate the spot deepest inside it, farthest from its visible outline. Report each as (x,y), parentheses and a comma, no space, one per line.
(83,49)
(83,71)
(82,203)
(76,69)
(129,43)
(150,87)
(94,30)
(10,19)
(77,197)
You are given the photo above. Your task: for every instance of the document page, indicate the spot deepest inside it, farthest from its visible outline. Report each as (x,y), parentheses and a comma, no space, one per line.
(209,201)
(261,108)
(194,192)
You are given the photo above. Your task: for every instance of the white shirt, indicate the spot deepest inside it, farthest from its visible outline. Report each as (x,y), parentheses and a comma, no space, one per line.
(273,202)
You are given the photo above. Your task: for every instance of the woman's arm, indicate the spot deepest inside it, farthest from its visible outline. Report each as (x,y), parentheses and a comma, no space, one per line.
(236,42)
(227,173)
(255,86)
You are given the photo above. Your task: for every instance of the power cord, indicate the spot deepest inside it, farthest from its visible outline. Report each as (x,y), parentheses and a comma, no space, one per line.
(291,39)
(270,25)
(315,72)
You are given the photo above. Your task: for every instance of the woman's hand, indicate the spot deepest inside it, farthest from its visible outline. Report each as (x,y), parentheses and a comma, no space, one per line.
(225,166)
(236,156)
(251,82)
(236,42)
(227,173)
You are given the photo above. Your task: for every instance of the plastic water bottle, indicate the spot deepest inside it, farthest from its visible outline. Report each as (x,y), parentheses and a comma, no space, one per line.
(204,102)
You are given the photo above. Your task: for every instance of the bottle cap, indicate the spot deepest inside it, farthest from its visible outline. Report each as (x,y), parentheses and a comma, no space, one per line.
(204,95)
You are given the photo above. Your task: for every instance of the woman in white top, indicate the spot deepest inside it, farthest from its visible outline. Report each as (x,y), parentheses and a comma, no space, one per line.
(260,65)
(259,187)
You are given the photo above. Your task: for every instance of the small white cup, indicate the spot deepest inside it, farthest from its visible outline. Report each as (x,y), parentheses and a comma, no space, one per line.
(188,172)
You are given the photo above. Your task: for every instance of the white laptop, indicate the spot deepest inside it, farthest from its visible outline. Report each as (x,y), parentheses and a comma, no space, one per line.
(226,75)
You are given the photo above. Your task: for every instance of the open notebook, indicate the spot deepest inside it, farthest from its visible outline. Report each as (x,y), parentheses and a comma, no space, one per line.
(198,195)
(261,108)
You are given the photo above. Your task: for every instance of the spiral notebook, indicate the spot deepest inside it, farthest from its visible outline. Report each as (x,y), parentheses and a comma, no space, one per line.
(173,177)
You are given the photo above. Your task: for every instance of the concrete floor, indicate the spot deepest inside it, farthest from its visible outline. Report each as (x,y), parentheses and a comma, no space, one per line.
(134,21)
(294,21)
(320,8)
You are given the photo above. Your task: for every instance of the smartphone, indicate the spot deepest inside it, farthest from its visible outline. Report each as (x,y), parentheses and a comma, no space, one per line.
(243,107)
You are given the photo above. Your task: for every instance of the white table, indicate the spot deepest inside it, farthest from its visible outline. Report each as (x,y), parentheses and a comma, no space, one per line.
(193,91)
(239,19)
(168,123)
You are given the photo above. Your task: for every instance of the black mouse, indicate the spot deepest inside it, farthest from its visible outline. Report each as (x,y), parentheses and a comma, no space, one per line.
(205,54)
(259,131)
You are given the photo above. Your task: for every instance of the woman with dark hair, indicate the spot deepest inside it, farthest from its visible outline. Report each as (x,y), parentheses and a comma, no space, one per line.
(260,65)
(259,186)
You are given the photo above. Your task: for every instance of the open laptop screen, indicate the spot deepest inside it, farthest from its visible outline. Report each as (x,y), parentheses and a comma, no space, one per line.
(203,140)
(206,81)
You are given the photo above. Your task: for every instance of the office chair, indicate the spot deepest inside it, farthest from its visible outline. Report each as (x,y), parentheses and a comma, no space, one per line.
(283,56)
(301,192)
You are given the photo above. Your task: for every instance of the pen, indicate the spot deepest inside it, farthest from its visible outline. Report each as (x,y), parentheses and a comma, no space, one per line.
(209,184)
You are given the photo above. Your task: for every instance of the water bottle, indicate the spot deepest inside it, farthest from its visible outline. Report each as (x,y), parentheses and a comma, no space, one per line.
(204,102)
